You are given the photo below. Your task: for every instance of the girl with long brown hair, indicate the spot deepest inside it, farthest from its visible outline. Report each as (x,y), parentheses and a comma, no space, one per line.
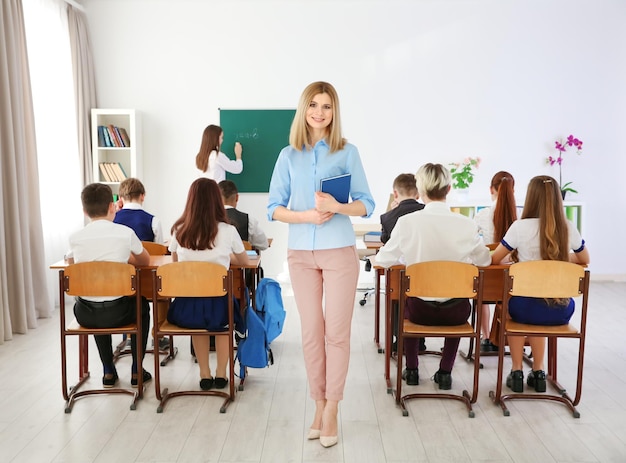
(543,233)
(492,223)
(203,233)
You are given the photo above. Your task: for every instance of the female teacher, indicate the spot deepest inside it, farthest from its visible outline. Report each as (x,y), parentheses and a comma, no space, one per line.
(322,256)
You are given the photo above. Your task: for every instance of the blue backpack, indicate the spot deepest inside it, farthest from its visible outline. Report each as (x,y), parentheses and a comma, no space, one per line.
(263,325)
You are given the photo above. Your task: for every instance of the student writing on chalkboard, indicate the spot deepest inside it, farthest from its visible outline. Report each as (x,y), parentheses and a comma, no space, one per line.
(322,257)
(211,162)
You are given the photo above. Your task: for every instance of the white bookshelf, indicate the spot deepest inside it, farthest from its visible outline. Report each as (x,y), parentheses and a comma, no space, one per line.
(129,157)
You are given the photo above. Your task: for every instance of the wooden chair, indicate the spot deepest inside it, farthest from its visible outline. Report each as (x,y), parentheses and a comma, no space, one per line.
(545,279)
(96,279)
(246,245)
(470,350)
(123,348)
(439,279)
(193,279)
(157,249)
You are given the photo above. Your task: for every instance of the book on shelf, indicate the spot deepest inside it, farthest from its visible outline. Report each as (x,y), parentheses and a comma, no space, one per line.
(109,169)
(117,143)
(372,237)
(123,171)
(105,134)
(118,134)
(125,137)
(104,172)
(101,140)
(338,186)
(119,173)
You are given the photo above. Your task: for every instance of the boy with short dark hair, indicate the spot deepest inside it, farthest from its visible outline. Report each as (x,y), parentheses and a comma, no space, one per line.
(103,240)
(405,196)
(404,202)
(246,225)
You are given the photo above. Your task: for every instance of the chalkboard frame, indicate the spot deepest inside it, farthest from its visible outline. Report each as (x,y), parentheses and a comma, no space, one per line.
(262,134)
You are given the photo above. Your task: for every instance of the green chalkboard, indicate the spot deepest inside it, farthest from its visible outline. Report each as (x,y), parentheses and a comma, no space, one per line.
(262,133)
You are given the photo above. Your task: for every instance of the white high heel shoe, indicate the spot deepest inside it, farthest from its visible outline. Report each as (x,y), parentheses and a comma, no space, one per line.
(328,441)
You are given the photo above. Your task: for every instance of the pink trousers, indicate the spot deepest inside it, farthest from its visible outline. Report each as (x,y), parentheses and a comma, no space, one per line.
(324,286)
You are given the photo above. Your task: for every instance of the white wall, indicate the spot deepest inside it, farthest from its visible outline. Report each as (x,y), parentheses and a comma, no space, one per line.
(419,81)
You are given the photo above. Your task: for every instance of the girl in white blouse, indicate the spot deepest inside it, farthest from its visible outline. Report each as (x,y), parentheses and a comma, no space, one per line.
(492,223)
(211,162)
(543,233)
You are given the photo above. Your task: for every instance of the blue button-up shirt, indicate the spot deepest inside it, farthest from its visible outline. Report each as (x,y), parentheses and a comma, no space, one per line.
(296,178)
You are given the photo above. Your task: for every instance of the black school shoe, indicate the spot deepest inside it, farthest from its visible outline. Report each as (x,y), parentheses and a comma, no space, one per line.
(220,383)
(487,346)
(515,380)
(108,383)
(411,376)
(146,378)
(444,379)
(206,383)
(537,379)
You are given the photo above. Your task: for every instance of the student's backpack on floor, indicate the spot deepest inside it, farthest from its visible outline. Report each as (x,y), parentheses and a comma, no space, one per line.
(263,325)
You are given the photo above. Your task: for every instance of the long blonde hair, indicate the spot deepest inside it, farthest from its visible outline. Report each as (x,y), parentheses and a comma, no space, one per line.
(299,136)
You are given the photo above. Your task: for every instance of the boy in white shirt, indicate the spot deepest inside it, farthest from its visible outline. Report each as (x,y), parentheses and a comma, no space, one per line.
(103,240)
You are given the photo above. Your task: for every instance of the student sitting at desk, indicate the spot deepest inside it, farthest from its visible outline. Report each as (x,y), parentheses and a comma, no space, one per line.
(543,233)
(203,233)
(404,202)
(146,226)
(492,223)
(436,233)
(246,225)
(103,240)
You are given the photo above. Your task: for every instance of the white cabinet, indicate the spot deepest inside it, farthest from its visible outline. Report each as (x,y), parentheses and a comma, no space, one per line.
(129,157)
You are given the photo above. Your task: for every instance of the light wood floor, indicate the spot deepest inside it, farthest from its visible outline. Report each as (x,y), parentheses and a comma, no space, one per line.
(269,419)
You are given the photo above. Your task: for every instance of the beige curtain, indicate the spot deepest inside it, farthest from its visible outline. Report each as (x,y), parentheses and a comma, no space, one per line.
(23,288)
(84,87)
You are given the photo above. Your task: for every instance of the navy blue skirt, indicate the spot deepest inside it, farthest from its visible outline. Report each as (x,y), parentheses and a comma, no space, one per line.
(208,313)
(535,311)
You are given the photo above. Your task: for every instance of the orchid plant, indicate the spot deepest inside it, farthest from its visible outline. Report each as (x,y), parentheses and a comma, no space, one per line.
(561,147)
(462,172)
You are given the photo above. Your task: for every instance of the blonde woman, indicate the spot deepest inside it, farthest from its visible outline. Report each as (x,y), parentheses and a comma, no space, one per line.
(322,257)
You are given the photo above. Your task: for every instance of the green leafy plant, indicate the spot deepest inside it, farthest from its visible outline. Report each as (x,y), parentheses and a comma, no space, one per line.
(463,173)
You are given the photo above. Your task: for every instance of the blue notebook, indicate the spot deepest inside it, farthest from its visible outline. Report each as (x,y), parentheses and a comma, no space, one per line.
(338,186)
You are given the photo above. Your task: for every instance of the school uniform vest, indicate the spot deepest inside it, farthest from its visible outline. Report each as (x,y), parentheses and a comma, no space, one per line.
(137,219)
(240,221)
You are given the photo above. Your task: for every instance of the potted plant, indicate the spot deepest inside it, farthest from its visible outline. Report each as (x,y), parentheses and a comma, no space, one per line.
(462,172)
(561,147)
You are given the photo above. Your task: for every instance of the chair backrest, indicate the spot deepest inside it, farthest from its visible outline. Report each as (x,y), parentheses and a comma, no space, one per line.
(192,279)
(442,279)
(100,279)
(247,246)
(547,278)
(155,249)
